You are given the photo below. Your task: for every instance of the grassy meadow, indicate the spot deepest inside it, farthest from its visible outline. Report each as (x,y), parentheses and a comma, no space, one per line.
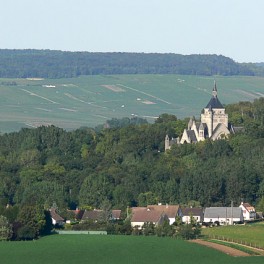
(66,249)
(91,100)
(250,233)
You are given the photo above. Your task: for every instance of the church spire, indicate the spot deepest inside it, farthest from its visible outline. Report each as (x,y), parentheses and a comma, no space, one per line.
(214,90)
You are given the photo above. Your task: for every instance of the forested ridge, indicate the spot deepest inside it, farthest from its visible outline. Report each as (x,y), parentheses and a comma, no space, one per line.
(63,64)
(125,165)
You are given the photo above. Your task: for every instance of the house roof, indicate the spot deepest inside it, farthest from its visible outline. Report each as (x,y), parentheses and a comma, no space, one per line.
(116,214)
(143,214)
(55,215)
(192,211)
(98,214)
(92,215)
(170,210)
(248,207)
(223,212)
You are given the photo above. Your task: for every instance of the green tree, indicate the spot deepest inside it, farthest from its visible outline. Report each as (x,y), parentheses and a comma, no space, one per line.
(5,229)
(33,219)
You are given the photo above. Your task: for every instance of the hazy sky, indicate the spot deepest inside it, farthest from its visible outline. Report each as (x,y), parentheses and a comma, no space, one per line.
(233,28)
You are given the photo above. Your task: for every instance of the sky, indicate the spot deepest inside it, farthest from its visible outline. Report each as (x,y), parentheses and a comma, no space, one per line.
(233,28)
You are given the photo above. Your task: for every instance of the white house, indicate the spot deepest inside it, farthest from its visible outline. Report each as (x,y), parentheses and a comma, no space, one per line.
(196,213)
(223,215)
(56,218)
(249,212)
(142,215)
(172,211)
(155,214)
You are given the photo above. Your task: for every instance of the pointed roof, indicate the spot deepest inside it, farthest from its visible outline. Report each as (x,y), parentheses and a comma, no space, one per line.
(201,126)
(214,102)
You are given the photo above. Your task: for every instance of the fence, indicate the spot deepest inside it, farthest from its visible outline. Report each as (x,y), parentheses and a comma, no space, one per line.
(236,241)
(71,232)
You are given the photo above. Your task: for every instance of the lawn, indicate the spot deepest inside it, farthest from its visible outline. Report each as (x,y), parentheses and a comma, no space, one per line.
(250,234)
(91,100)
(66,249)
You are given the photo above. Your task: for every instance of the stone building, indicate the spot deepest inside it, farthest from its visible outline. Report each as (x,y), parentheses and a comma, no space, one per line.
(213,124)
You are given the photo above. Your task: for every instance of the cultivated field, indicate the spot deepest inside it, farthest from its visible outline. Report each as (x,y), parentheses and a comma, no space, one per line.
(250,234)
(91,100)
(66,249)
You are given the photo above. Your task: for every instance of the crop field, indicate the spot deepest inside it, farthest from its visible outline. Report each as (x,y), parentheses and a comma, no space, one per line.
(91,100)
(249,234)
(66,249)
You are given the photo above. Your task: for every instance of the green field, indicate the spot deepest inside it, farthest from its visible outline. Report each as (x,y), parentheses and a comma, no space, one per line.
(102,249)
(250,234)
(91,100)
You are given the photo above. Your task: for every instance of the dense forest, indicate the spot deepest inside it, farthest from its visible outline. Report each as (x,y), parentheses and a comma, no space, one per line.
(124,164)
(62,64)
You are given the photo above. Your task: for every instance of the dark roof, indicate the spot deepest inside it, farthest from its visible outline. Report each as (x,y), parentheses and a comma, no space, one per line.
(191,135)
(214,103)
(92,215)
(237,129)
(55,215)
(192,211)
(97,215)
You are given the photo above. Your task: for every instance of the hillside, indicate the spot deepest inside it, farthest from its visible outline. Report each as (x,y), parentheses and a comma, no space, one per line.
(126,165)
(88,101)
(61,64)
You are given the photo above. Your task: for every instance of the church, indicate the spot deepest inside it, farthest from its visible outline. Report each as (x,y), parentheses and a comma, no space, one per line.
(213,125)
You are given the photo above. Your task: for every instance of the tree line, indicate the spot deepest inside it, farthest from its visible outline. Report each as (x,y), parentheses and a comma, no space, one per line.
(63,64)
(124,164)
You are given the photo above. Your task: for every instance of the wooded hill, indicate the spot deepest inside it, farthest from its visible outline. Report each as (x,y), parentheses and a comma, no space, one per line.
(126,165)
(62,64)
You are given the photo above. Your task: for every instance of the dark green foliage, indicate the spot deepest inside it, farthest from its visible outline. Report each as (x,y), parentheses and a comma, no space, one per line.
(33,220)
(190,230)
(5,228)
(127,166)
(164,229)
(26,233)
(59,64)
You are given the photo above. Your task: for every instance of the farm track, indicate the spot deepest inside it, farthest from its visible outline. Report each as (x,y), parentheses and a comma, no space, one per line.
(225,249)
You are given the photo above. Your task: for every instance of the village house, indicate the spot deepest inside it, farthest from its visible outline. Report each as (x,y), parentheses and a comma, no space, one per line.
(249,212)
(56,218)
(142,215)
(98,215)
(155,214)
(195,213)
(223,215)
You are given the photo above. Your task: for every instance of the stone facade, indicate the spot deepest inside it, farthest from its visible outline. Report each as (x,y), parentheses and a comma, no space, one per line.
(213,125)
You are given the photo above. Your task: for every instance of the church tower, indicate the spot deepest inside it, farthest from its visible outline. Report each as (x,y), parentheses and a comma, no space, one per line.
(213,124)
(214,113)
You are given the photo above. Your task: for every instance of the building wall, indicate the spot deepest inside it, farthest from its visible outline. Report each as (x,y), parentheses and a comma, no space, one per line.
(223,220)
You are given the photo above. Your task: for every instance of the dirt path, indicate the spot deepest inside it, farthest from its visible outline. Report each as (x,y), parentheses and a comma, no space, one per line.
(228,250)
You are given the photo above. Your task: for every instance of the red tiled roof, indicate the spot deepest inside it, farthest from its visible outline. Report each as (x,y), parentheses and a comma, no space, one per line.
(143,214)
(170,210)
(248,207)
(116,214)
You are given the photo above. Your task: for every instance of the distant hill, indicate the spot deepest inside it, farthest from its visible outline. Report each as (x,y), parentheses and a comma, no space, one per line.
(261,64)
(60,64)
